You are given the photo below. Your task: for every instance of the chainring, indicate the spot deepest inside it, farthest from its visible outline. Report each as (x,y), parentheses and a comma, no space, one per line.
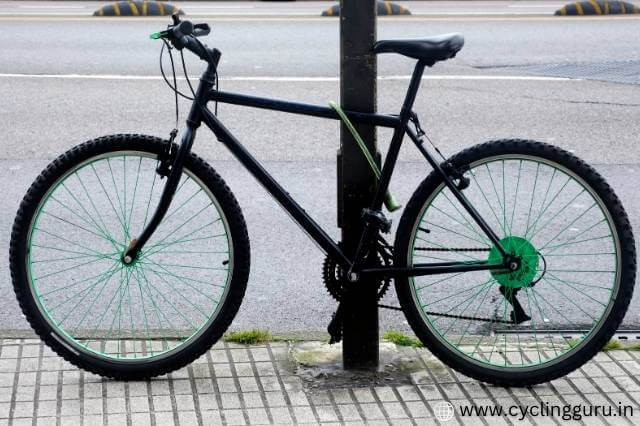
(332,274)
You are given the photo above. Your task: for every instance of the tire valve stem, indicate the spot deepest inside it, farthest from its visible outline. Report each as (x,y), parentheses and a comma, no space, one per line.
(226,262)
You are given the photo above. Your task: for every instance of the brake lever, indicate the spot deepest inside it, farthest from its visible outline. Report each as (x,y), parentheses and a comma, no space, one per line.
(200,30)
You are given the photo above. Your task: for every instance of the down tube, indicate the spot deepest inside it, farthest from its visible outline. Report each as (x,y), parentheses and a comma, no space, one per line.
(298,214)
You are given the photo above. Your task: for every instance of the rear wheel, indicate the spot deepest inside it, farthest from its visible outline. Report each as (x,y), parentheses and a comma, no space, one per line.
(132,320)
(576,264)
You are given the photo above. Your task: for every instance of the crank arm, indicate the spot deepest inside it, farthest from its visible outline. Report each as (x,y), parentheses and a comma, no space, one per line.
(165,200)
(518,315)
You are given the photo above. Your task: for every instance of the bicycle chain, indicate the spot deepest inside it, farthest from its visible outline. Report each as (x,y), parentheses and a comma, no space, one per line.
(333,286)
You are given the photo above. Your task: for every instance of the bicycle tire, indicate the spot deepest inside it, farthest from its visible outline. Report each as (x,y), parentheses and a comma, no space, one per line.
(140,353)
(467,353)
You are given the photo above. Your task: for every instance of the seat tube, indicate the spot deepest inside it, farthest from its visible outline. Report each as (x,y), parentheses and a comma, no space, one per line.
(398,135)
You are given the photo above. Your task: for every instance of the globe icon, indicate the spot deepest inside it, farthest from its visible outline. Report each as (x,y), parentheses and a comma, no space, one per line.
(443,411)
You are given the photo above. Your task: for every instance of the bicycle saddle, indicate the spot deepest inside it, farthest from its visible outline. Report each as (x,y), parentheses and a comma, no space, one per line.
(429,50)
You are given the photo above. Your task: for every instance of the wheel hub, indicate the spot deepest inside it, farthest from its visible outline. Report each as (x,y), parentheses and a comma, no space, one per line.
(523,267)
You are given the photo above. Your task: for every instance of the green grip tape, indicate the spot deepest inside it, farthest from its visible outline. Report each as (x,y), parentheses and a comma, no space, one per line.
(389,201)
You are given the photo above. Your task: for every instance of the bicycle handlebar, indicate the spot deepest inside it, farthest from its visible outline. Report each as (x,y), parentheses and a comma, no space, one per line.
(182,34)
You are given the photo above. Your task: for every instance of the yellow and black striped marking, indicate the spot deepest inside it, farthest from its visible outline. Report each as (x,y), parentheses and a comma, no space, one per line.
(598,7)
(138,8)
(385,8)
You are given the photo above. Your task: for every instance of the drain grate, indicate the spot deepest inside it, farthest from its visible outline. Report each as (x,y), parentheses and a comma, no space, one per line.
(627,72)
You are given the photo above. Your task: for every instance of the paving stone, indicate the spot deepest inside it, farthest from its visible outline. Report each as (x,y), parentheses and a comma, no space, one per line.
(256,390)
(281,415)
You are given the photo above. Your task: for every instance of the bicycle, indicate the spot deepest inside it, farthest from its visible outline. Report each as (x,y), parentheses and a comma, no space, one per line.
(513,261)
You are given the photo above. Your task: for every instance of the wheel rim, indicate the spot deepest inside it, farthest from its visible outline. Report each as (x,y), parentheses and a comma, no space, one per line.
(569,253)
(98,304)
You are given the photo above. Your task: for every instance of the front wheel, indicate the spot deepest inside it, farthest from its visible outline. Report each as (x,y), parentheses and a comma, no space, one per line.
(139,319)
(576,264)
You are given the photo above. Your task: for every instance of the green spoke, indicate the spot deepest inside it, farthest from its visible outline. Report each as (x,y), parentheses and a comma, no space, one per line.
(133,197)
(104,190)
(456,294)
(473,175)
(183,204)
(555,278)
(85,292)
(144,311)
(579,283)
(66,269)
(75,225)
(60,259)
(470,226)
(183,224)
(93,223)
(546,246)
(504,316)
(122,209)
(192,267)
(475,313)
(180,277)
(515,197)
(535,300)
(439,281)
(196,252)
(172,286)
(484,240)
(561,210)
(146,215)
(55,290)
(454,232)
(116,293)
(533,322)
(577,270)
(567,227)
(569,299)
(504,199)
(543,209)
(475,259)
(90,308)
(571,242)
(533,196)
(104,225)
(579,254)
(156,310)
(495,190)
(161,245)
(468,301)
(72,251)
(179,312)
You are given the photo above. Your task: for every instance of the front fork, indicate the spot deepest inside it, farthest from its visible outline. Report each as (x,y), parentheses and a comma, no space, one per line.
(175,173)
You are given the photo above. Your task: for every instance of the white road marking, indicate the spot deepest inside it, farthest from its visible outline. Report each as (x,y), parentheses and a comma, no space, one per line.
(286,78)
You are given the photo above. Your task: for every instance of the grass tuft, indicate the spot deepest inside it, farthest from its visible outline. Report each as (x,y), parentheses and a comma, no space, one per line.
(401,339)
(612,345)
(248,337)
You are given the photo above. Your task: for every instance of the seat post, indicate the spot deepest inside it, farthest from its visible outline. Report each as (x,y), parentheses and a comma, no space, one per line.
(412,91)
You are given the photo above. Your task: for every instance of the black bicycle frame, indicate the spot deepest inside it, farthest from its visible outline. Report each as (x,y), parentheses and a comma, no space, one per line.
(199,114)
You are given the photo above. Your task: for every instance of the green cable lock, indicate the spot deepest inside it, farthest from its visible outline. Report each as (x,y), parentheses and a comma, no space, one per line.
(389,201)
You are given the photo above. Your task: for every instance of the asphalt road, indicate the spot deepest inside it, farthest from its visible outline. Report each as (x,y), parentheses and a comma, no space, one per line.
(300,8)
(105,81)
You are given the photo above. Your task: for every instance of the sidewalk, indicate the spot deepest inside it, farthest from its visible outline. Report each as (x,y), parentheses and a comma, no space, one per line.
(261,384)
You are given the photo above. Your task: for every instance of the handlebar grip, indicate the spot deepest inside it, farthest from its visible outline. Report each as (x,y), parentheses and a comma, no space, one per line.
(192,45)
(184,28)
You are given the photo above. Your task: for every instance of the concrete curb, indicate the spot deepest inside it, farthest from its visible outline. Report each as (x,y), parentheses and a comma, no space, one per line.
(385,8)
(599,7)
(138,8)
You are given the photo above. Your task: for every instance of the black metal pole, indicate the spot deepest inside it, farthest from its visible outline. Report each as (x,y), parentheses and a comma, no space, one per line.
(356,181)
